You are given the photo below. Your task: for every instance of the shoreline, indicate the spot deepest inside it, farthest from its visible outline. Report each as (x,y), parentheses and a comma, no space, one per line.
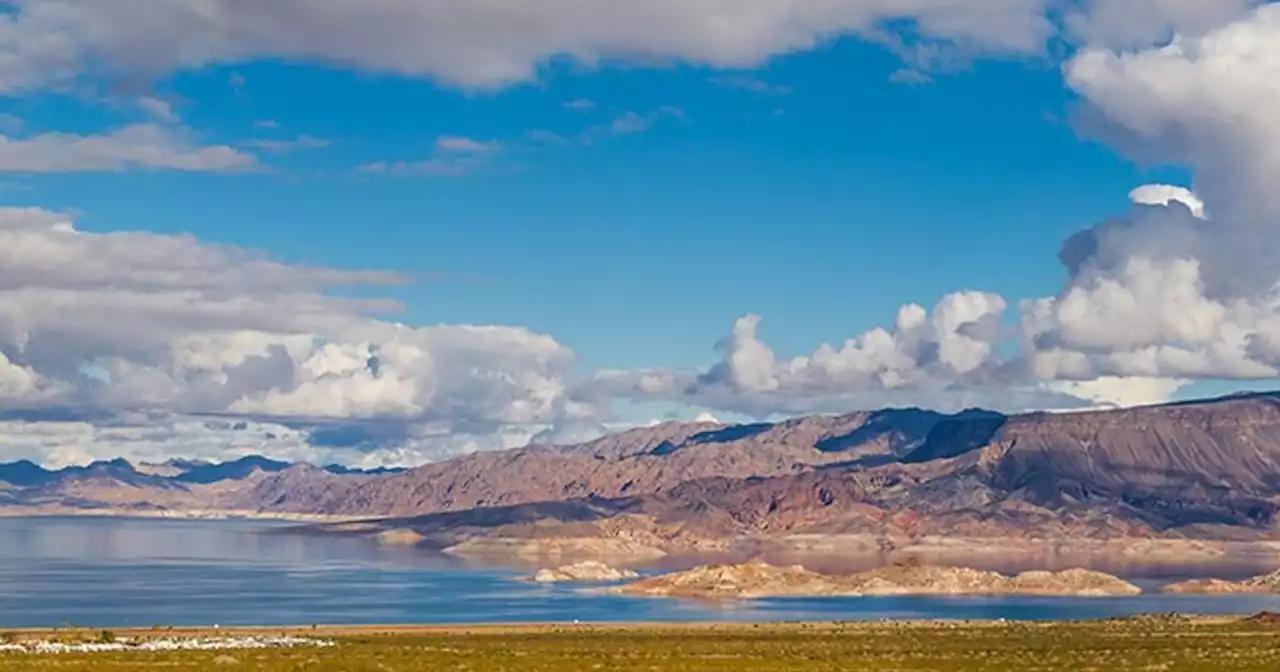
(391,629)
(178,514)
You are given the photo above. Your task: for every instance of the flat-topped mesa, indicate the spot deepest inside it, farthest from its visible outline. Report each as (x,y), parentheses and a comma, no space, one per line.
(1266,583)
(760,580)
(583,572)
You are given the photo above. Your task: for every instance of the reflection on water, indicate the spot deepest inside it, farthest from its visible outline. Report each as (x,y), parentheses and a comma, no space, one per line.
(119,572)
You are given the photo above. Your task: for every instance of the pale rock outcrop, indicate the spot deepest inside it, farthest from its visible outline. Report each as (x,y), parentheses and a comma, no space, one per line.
(758,580)
(589,571)
(1266,583)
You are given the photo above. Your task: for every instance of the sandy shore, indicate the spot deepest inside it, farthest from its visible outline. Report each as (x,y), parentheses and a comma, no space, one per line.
(330,631)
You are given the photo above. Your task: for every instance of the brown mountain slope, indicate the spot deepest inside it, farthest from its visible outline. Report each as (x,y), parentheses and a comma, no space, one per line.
(1207,470)
(640,461)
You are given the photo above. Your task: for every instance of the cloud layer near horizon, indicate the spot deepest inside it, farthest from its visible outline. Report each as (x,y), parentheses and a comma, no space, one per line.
(130,342)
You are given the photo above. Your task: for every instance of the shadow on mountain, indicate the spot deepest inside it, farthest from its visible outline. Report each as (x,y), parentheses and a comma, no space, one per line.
(917,435)
(734,433)
(957,435)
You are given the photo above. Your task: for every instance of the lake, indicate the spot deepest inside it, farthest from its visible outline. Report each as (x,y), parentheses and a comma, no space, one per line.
(114,572)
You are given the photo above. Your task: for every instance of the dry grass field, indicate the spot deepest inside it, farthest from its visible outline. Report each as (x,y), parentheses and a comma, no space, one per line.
(1167,644)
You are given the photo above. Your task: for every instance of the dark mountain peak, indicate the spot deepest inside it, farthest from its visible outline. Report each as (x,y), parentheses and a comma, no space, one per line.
(25,473)
(340,470)
(229,471)
(186,464)
(116,464)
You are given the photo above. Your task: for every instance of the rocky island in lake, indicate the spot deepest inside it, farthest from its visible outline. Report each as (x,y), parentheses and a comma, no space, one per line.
(583,572)
(1266,583)
(762,580)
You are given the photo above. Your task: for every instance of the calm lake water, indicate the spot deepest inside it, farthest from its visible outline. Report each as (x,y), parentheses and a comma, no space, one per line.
(123,572)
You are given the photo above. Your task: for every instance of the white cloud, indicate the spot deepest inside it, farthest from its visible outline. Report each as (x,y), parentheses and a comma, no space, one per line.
(54,42)
(1205,101)
(300,142)
(142,146)
(452,143)
(946,358)
(132,322)
(1182,287)
(160,109)
(1114,392)
(542,136)
(155,439)
(1164,194)
(452,156)
(1164,292)
(1145,303)
(1140,23)
(18,383)
(441,166)
(630,122)
(751,85)
(910,76)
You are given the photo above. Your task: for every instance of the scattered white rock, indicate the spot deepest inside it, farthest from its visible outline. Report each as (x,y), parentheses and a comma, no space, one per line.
(164,644)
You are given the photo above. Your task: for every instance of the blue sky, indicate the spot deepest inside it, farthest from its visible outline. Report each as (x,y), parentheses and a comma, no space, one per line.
(822,203)
(594,219)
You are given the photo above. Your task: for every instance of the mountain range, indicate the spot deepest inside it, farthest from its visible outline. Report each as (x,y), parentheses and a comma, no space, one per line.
(1204,470)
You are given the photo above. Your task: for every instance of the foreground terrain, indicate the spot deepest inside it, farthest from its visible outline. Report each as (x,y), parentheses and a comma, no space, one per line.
(1170,644)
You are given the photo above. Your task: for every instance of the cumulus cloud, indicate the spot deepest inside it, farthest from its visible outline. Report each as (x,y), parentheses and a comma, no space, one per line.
(55,42)
(142,146)
(946,358)
(134,322)
(1116,392)
(155,439)
(1183,286)
(1186,284)
(1126,24)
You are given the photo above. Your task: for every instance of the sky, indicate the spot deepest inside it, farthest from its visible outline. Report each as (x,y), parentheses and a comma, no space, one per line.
(389,232)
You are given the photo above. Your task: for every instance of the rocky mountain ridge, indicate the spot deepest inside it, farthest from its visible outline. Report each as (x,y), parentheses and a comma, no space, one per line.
(1207,470)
